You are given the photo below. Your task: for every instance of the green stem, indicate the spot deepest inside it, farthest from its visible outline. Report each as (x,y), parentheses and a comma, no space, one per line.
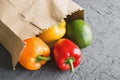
(70,62)
(40,58)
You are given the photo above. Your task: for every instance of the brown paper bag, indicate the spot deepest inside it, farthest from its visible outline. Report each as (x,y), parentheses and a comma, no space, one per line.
(22,19)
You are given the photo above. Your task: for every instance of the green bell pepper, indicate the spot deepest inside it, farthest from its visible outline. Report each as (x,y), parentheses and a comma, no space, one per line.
(79,32)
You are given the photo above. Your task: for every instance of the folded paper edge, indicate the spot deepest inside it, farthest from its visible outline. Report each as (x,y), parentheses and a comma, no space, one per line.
(11,44)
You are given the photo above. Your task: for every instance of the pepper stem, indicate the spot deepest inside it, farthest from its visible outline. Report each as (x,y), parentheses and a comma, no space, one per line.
(40,58)
(70,62)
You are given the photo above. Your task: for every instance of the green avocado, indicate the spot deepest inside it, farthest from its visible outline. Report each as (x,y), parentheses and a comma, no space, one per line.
(79,32)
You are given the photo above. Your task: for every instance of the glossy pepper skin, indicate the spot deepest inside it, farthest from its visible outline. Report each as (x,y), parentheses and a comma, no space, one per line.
(54,33)
(35,54)
(67,54)
(79,32)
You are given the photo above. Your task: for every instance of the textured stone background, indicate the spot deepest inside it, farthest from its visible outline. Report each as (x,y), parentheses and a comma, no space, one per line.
(101,60)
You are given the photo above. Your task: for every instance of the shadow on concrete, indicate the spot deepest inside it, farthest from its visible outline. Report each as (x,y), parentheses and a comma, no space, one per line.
(5,58)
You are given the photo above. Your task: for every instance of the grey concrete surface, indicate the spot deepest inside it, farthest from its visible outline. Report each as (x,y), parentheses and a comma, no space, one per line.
(101,60)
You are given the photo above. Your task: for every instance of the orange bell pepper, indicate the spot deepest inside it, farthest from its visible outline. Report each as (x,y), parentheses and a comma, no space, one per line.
(35,54)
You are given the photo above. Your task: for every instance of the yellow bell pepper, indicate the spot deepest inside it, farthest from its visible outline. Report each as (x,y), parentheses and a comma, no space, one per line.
(54,33)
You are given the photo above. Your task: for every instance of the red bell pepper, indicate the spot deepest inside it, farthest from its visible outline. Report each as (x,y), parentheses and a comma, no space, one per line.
(67,54)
